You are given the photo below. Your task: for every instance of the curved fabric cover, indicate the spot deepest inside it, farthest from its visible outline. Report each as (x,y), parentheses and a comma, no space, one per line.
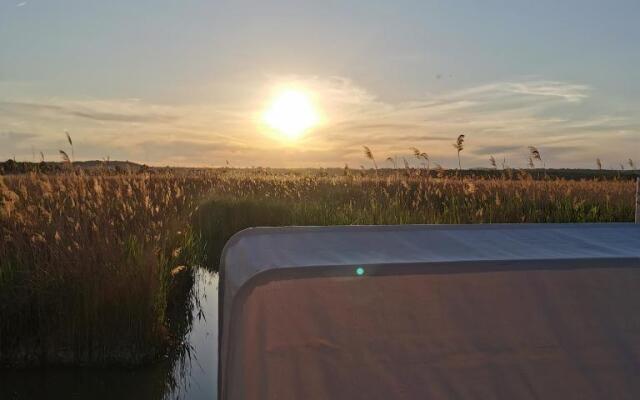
(431,311)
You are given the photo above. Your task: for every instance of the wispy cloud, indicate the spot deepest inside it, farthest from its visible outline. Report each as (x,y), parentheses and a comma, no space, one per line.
(16,136)
(499,118)
(496,149)
(120,111)
(569,92)
(21,4)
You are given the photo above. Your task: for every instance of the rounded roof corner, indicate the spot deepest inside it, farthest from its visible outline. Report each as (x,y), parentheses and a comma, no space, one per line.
(241,234)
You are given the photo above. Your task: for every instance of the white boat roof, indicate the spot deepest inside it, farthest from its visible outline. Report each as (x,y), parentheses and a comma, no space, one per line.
(278,254)
(257,250)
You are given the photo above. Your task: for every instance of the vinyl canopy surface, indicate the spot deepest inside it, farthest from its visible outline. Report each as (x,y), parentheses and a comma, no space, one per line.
(431,311)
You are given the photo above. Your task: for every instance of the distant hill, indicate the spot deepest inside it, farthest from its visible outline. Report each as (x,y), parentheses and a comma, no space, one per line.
(509,173)
(110,164)
(20,167)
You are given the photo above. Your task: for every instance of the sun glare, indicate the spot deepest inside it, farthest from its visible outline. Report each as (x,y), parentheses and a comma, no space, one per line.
(291,114)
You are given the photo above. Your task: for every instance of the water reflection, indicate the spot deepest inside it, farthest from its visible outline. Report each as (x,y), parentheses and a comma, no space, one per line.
(192,376)
(202,369)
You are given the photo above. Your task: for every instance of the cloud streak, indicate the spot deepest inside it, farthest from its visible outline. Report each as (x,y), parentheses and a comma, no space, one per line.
(569,92)
(91,111)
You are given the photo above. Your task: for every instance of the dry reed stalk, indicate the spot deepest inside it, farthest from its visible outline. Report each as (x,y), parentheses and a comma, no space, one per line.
(637,219)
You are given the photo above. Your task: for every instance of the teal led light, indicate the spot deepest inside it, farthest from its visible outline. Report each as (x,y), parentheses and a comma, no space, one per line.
(359,271)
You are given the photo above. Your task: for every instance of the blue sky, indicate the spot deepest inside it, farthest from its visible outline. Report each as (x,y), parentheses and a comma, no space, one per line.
(184,82)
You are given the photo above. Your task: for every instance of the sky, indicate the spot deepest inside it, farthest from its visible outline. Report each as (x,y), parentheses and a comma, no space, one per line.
(186,82)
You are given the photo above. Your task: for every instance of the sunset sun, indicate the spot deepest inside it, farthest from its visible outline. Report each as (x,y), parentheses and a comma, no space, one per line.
(291,113)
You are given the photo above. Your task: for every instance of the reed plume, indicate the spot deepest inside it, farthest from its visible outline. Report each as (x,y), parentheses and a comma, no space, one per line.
(73,155)
(65,157)
(492,162)
(459,146)
(369,154)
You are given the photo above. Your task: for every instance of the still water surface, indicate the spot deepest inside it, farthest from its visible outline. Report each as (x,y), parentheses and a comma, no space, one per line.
(195,378)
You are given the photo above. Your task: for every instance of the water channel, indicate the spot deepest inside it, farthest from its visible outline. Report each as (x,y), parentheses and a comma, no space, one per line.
(194,377)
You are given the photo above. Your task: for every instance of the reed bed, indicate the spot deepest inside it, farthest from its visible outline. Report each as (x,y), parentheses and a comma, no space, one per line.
(88,261)
(86,264)
(241,201)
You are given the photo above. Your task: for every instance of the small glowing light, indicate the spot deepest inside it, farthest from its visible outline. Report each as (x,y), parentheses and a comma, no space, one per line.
(359,271)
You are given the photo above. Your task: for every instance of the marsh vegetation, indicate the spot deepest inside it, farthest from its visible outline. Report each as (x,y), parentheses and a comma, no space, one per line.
(94,265)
